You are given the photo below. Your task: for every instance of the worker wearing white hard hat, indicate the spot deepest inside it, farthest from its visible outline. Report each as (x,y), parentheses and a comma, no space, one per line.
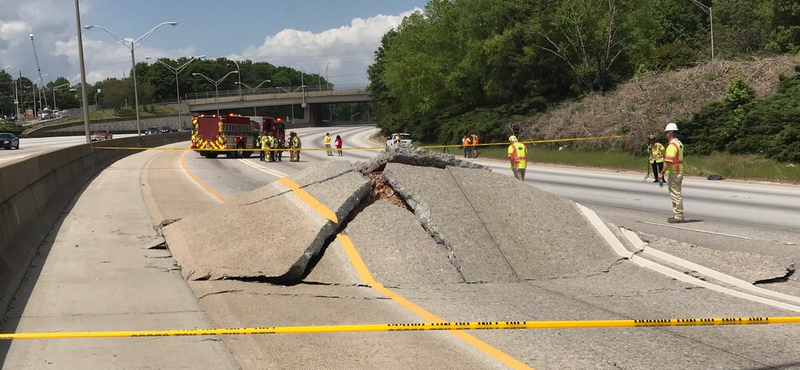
(673,169)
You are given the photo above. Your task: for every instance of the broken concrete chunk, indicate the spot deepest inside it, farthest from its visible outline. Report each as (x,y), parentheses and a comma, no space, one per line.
(397,250)
(447,215)
(416,157)
(542,235)
(269,233)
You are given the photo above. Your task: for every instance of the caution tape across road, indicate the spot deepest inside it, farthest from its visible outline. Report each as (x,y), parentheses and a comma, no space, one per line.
(493,325)
(361,148)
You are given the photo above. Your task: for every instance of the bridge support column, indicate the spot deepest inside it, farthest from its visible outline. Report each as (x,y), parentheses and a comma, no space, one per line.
(313,114)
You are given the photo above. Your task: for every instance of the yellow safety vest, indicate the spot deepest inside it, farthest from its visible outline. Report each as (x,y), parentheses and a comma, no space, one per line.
(674,156)
(517,153)
(656,153)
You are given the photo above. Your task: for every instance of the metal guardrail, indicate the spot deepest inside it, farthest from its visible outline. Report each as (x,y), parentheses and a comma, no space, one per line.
(292,90)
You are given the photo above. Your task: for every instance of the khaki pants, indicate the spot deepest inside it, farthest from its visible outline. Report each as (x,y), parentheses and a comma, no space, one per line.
(674,180)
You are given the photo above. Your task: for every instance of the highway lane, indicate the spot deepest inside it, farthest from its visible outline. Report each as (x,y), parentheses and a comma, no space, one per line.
(729,215)
(33,146)
(623,291)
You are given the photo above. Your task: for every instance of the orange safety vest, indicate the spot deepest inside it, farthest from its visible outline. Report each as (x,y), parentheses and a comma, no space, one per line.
(474,139)
(674,159)
(465,142)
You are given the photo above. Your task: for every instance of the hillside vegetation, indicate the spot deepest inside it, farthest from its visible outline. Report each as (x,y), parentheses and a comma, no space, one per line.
(643,105)
(493,67)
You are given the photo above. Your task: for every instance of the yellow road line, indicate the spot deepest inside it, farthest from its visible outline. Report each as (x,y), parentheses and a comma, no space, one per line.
(212,192)
(453,327)
(310,200)
(366,277)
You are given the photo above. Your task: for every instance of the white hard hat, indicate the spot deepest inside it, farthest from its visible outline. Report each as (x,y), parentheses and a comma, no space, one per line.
(671,127)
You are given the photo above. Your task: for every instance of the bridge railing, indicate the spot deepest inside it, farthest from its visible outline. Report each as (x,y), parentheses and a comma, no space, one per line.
(293,90)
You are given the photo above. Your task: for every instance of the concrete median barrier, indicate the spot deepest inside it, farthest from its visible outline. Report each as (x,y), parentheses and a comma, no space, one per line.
(35,191)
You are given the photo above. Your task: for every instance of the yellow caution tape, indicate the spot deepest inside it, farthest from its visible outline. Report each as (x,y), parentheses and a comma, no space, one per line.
(364,148)
(493,325)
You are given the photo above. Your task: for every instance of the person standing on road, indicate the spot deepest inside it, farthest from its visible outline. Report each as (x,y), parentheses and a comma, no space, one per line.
(656,152)
(474,146)
(328,144)
(465,142)
(338,143)
(674,171)
(263,144)
(518,157)
(295,146)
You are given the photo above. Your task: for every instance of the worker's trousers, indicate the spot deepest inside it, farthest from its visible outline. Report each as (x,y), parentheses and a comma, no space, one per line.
(674,180)
(330,152)
(519,173)
(657,168)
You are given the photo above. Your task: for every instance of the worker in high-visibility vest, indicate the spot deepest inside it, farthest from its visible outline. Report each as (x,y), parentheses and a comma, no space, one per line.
(271,141)
(518,157)
(465,142)
(474,146)
(656,156)
(328,144)
(270,155)
(673,169)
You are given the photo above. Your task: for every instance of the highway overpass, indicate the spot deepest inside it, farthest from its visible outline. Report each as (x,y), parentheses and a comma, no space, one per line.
(311,101)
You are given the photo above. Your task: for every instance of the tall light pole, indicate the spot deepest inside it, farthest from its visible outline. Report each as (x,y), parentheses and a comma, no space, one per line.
(252,91)
(132,45)
(177,71)
(38,91)
(54,94)
(710,11)
(239,72)
(328,83)
(216,84)
(38,69)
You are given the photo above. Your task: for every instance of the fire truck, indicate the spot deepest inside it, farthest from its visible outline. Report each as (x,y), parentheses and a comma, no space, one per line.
(212,134)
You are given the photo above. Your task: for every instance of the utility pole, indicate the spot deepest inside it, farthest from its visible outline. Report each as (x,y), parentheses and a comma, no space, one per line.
(16,96)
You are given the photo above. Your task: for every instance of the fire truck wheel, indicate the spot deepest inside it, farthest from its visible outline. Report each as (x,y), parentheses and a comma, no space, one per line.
(211,155)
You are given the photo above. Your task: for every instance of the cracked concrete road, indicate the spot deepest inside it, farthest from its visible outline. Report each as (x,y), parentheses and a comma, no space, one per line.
(615,289)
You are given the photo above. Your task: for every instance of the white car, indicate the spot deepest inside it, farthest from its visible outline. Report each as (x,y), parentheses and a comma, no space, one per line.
(405,139)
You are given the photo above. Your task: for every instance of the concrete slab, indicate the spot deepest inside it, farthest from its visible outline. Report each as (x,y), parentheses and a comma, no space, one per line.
(96,273)
(268,233)
(330,268)
(749,267)
(446,214)
(416,157)
(542,236)
(396,248)
(238,304)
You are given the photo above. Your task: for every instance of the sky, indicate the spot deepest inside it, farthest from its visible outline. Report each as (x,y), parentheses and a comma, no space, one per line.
(304,34)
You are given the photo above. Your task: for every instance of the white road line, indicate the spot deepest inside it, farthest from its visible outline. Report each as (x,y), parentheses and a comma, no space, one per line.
(263,169)
(612,240)
(696,230)
(652,252)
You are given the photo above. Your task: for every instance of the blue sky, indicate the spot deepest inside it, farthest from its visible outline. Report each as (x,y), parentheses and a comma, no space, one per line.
(308,34)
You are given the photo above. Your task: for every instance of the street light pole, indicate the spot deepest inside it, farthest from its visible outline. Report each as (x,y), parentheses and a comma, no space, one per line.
(35,56)
(328,87)
(216,85)
(38,91)
(177,71)
(55,106)
(710,11)
(132,45)
(253,91)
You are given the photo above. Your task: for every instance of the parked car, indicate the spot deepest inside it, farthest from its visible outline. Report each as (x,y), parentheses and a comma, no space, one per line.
(102,135)
(165,129)
(151,131)
(405,139)
(9,141)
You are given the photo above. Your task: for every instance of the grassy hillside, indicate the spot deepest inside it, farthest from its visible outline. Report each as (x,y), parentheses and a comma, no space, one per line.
(647,102)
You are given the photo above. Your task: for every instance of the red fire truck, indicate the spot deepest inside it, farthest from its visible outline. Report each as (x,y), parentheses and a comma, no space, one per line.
(210,134)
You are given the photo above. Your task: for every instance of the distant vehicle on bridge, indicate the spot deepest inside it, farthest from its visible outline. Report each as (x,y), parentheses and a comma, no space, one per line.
(152,131)
(213,135)
(102,135)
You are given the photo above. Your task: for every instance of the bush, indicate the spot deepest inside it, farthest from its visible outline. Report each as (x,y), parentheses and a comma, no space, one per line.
(11,127)
(127,112)
(738,92)
(672,56)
